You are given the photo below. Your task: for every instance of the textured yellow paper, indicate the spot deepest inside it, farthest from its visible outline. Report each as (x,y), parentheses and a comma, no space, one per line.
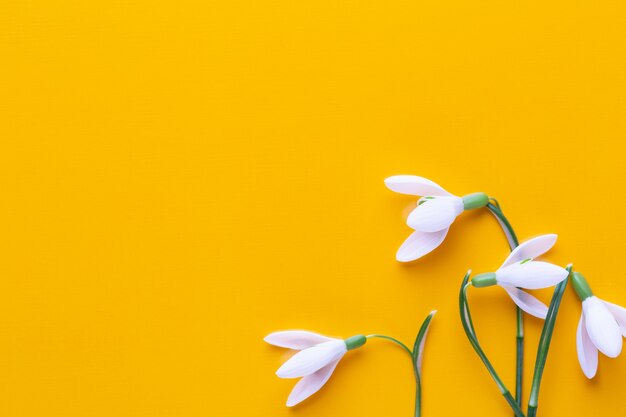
(179,178)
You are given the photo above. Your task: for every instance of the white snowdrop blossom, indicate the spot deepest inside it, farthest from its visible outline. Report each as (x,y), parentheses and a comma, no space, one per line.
(600,328)
(315,361)
(434,214)
(520,270)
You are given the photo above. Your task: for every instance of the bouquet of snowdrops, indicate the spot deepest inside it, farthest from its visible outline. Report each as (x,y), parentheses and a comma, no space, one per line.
(601,327)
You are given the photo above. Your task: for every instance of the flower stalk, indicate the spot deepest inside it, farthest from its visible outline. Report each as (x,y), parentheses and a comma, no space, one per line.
(416,356)
(468,326)
(544,343)
(511,238)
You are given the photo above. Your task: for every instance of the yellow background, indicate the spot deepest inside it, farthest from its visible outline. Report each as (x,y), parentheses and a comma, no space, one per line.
(180,178)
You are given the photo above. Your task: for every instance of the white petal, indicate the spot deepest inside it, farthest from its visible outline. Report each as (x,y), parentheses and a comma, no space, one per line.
(414,185)
(531,275)
(310,384)
(295,339)
(532,248)
(527,302)
(436,214)
(419,244)
(587,352)
(603,330)
(420,351)
(619,313)
(312,359)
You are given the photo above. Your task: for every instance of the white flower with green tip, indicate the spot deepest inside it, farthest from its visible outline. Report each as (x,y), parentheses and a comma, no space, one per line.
(520,270)
(600,328)
(315,362)
(434,214)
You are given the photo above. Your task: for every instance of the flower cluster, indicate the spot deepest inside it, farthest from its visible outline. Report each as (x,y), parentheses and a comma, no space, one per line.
(601,327)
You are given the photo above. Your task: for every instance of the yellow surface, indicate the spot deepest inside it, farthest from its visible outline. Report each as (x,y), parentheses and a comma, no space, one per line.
(180,178)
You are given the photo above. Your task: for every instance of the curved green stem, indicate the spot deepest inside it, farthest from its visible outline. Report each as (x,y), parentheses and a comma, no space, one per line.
(418,345)
(519,350)
(505,224)
(466,320)
(544,342)
(418,384)
(396,341)
(495,202)
(468,326)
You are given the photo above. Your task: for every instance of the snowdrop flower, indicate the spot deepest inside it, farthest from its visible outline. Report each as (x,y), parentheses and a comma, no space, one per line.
(601,327)
(315,362)
(520,270)
(433,216)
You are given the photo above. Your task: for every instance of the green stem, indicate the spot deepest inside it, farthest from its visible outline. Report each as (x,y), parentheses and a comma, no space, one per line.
(505,224)
(418,385)
(519,356)
(415,357)
(417,347)
(418,396)
(468,326)
(544,343)
(495,202)
(396,341)
(517,411)
(519,350)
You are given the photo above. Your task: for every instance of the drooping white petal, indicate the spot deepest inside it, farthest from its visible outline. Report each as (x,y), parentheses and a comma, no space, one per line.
(526,302)
(420,351)
(312,359)
(435,214)
(587,352)
(310,384)
(419,244)
(531,275)
(295,339)
(532,248)
(603,330)
(619,313)
(414,185)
